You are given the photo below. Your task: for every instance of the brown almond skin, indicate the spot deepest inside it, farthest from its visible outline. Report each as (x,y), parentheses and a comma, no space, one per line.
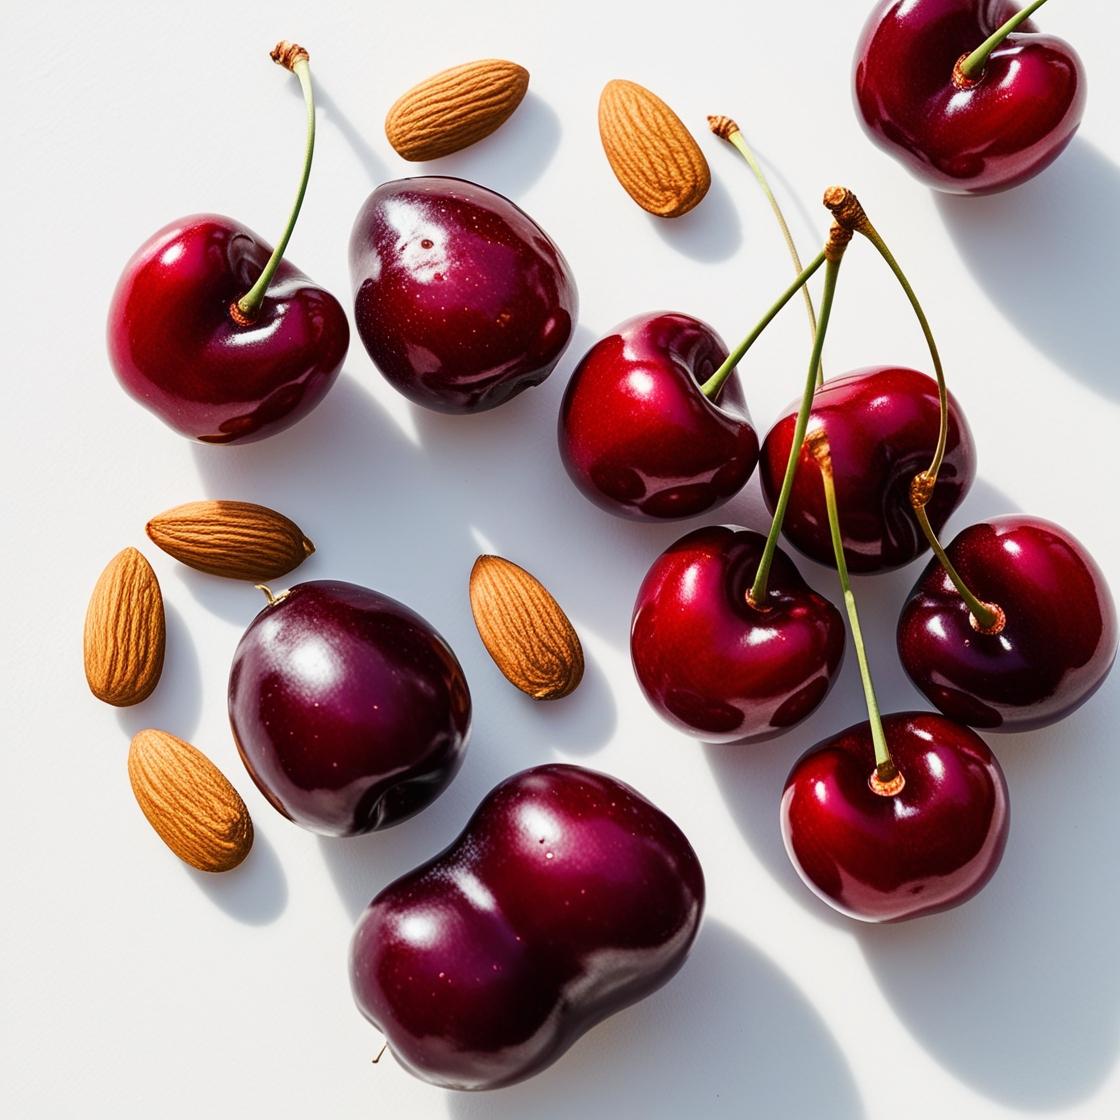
(238,540)
(653,155)
(125,631)
(524,630)
(455,108)
(189,801)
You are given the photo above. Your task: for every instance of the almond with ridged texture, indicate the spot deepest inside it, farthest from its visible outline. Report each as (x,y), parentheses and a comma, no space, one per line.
(189,801)
(524,630)
(125,631)
(238,540)
(455,108)
(652,154)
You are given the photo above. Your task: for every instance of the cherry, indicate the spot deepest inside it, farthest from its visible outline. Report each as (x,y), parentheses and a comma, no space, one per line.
(964,93)
(637,434)
(461,299)
(882,424)
(884,855)
(716,666)
(567,897)
(1050,645)
(218,335)
(350,712)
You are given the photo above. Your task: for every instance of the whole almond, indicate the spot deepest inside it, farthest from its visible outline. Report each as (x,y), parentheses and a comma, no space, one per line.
(238,540)
(125,631)
(651,152)
(524,630)
(189,801)
(455,108)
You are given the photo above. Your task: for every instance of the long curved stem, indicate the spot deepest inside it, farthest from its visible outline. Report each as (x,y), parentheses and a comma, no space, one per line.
(849,212)
(972,66)
(712,386)
(293,58)
(834,253)
(726,128)
(886,779)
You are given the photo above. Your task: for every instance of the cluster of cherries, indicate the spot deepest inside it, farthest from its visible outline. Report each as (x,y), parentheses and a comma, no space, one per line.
(568,895)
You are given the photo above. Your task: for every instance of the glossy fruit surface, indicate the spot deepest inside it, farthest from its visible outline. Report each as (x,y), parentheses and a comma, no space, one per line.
(718,668)
(350,712)
(882,858)
(175,348)
(567,897)
(461,299)
(1059,637)
(882,425)
(639,438)
(968,139)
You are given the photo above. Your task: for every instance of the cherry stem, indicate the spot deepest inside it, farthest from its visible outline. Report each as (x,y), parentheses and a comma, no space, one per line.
(838,239)
(972,66)
(989,618)
(714,384)
(886,778)
(294,58)
(726,128)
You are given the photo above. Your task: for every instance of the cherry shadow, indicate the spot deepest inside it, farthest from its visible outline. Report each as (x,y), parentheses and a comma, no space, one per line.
(1017,992)
(373,164)
(730,1035)
(711,231)
(751,777)
(176,703)
(255,892)
(1041,252)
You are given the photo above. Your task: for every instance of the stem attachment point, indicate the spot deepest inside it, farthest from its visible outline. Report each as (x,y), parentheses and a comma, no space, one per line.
(998,622)
(886,780)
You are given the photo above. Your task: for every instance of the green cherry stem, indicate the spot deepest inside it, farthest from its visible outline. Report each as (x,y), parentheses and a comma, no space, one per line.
(292,57)
(885,779)
(970,69)
(833,251)
(729,130)
(712,386)
(987,618)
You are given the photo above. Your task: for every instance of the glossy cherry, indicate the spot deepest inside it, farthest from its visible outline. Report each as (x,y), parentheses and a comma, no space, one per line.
(461,299)
(887,857)
(176,349)
(567,897)
(965,135)
(1056,643)
(713,665)
(215,333)
(350,712)
(637,435)
(882,424)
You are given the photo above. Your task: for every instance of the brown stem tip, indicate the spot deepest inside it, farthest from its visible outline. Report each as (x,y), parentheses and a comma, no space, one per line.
(288,54)
(886,781)
(845,207)
(921,490)
(723,127)
(838,238)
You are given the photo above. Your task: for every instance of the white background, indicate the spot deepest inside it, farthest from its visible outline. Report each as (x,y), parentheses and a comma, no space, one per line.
(135,987)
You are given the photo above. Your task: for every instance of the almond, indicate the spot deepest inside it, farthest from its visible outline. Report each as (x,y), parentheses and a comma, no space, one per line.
(238,540)
(653,155)
(455,108)
(189,801)
(524,630)
(125,631)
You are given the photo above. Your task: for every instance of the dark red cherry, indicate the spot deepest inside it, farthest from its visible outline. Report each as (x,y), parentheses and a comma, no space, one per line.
(174,346)
(718,668)
(639,438)
(966,137)
(882,425)
(567,897)
(461,299)
(1058,636)
(887,857)
(350,712)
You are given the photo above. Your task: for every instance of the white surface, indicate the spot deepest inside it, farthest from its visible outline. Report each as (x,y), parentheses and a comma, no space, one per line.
(134,987)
